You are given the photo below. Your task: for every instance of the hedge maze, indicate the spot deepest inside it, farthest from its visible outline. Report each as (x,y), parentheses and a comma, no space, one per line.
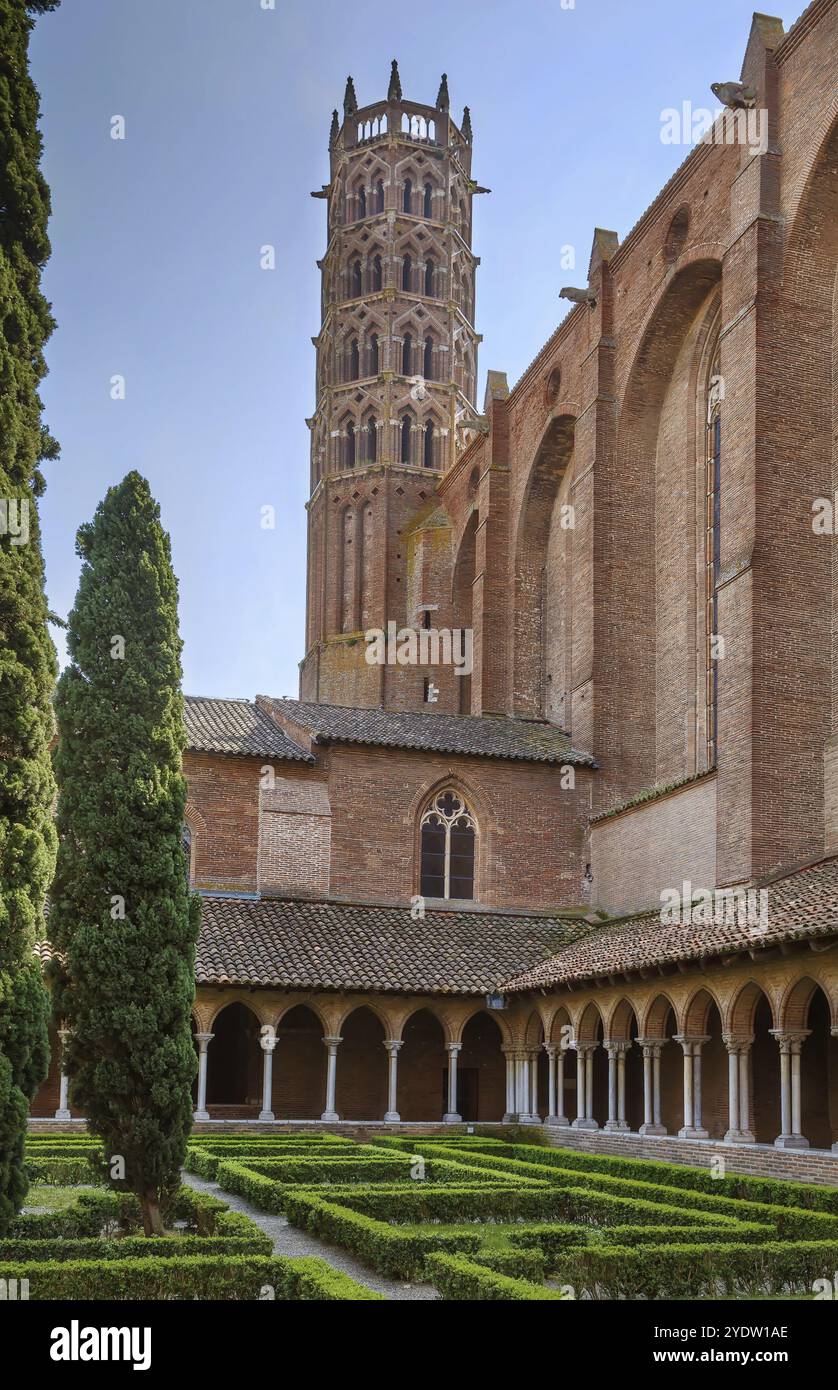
(479,1218)
(90,1248)
(484,1219)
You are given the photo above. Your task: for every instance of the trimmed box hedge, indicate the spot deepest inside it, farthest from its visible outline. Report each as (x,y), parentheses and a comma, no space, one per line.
(460,1279)
(696,1271)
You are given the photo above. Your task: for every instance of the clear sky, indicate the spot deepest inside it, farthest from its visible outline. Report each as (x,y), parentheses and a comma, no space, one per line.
(155,273)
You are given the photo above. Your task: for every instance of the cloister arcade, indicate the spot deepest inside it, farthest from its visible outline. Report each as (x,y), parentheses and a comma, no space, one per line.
(731,1060)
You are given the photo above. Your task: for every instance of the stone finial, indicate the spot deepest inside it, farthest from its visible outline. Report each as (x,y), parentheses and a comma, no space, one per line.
(333,131)
(394,91)
(466,126)
(442,99)
(350,101)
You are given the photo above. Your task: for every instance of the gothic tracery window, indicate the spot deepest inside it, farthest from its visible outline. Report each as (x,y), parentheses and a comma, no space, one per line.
(449,836)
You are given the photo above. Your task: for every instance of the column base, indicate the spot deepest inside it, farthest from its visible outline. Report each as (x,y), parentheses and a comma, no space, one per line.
(509,1118)
(835,1148)
(584,1124)
(267,1115)
(690,1132)
(452,1118)
(529,1119)
(560,1121)
(331,1115)
(791,1141)
(616,1126)
(739,1136)
(392,1117)
(64,1115)
(652,1129)
(201,1115)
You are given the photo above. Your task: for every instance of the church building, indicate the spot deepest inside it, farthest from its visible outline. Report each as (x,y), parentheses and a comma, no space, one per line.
(550,836)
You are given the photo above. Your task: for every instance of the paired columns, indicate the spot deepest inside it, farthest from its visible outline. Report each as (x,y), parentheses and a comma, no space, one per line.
(791,1045)
(738,1088)
(617,1084)
(585,1085)
(692,1127)
(651,1049)
(555,1084)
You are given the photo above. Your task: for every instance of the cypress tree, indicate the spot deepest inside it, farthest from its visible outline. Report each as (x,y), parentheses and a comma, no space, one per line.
(121,912)
(27,657)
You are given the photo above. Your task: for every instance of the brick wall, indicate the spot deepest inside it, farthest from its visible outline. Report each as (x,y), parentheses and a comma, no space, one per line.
(656,845)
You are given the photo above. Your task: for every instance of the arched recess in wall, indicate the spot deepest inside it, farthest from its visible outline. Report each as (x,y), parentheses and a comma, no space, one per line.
(462,597)
(651,490)
(540,600)
(348,569)
(802,369)
(366,564)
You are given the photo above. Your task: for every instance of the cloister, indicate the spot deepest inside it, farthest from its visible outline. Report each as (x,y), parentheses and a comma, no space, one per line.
(727,1058)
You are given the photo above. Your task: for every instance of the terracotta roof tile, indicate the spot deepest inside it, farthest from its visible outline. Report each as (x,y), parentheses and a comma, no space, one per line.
(800,906)
(482,736)
(285,944)
(236,726)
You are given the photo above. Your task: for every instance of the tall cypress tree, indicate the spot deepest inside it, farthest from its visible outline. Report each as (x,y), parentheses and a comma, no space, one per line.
(121,912)
(27,657)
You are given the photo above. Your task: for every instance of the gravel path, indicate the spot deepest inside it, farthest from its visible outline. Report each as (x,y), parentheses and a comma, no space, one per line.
(288,1240)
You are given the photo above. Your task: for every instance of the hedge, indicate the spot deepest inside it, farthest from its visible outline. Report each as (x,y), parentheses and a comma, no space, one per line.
(773,1191)
(797,1223)
(66,1172)
(217,1277)
(133,1247)
(518,1264)
(458,1278)
(392,1251)
(425,1202)
(696,1271)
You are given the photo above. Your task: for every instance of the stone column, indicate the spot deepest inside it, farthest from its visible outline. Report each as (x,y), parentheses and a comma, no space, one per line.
(692,1127)
(452,1115)
(616,1084)
(835,1145)
(510,1113)
(561,1117)
(791,1042)
(551,1117)
(651,1048)
(331,1044)
(392,1115)
(535,1118)
(584,1085)
(63,1111)
(738,1089)
(203,1040)
(268,1042)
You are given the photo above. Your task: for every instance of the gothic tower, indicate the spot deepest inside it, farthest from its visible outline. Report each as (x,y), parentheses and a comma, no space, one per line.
(396,369)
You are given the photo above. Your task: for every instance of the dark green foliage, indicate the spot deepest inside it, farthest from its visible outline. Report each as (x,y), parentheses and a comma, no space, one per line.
(121,910)
(461,1279)
(27,658)
(696,1271)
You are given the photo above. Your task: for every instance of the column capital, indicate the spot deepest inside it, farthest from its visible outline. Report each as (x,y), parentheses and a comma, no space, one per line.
(455,1047)
(690,1040)
(203,1040)
(652,1047)
(393,1044)
(613,1046)
(331,1040)
(737,1042)
(584,1046)
(790,1040)
(550,1048)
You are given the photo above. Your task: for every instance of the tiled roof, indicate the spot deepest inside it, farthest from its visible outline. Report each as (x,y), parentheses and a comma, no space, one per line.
(284,944)
(524,739)
(800,906)
(236,726)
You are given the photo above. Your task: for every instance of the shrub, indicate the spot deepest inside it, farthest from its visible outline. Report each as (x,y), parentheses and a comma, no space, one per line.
(696,1271)
(461,1279)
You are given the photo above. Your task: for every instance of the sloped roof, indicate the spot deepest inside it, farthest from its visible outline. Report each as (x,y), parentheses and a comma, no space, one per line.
(481,736)
(289,944)
(236,726)
(800,906)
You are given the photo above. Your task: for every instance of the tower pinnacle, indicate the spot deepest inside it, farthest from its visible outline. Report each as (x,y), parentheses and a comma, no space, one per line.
(394,91)
(442,99)
(333,131)
(350,101)
(467,135)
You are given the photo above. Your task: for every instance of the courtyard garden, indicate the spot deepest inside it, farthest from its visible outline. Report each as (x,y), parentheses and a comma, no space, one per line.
(462,1217)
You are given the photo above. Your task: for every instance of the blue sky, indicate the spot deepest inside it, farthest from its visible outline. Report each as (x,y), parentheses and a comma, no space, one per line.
(155,272)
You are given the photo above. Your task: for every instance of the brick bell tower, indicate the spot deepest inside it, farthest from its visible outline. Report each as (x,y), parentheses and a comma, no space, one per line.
(396,375)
